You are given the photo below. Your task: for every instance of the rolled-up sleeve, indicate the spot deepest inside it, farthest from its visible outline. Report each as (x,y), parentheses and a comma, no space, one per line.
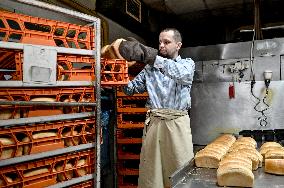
(182,71)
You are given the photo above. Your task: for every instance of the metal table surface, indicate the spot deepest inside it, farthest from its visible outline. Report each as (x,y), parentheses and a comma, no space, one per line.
(190,176)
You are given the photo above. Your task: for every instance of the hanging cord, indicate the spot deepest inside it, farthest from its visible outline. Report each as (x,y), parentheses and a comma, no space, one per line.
(263,118)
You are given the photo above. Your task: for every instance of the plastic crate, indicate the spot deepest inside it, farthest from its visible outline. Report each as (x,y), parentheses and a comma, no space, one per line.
(131,105)
(42,137)
(129,133)
(128,181)
(48,171)
(128,167)
(69,68)
(129,141)
(86,184)
(131,152)
(22,28)
(120,93)
(78,94)
(114,72)
(130,121)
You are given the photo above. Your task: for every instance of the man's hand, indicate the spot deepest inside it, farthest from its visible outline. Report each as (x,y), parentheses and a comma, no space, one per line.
(132,50)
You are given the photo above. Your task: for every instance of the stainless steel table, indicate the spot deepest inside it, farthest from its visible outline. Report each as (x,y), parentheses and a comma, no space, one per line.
(189,176)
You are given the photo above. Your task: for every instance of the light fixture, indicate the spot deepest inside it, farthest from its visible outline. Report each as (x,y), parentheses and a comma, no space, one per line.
(267,77)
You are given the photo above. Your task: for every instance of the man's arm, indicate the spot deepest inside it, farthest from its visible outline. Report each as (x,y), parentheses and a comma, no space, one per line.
(137,85)
(182,73)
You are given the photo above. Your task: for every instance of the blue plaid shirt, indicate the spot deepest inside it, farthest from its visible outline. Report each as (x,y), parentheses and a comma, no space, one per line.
(168,83)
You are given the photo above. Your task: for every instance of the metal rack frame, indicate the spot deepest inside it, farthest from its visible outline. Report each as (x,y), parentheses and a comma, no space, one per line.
(96,22)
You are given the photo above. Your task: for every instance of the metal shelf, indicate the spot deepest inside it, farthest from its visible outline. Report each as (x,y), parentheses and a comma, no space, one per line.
(52,153)
(42,119)
(73,181)
(58,84)
(96,23)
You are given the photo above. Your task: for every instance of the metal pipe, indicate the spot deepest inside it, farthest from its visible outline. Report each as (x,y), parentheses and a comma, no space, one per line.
(97,27)
(44,103)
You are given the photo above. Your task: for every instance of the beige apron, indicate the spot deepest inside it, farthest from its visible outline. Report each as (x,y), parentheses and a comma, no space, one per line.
(167,145)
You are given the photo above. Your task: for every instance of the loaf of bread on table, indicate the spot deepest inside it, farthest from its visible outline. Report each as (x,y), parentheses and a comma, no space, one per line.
(268,146)
(207,159)
(211,155)
(239,158)
(276,153)
(247,139)
(225,139)
(234,174)
(274,166)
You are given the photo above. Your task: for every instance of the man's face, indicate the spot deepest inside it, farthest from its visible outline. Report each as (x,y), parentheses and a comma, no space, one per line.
(168,47)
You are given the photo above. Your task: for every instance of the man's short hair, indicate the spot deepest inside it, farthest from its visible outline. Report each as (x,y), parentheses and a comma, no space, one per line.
(177,35)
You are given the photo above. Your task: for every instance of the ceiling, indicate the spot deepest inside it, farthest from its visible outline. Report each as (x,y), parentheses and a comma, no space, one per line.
(187,6)
(218,21)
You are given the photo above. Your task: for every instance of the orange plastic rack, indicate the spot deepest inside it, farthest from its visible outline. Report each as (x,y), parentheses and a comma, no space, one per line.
(131,105)
(122,139)
(34,30)
(130,121)
(48,171)
(87,184)
(129,181)
(78,94)
(120,93)
(69,68)
(41,137)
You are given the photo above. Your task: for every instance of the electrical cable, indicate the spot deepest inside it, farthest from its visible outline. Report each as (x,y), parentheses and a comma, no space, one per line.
(263,118)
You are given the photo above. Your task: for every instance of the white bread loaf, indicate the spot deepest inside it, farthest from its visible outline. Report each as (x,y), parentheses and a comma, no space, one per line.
(275,154)
(264,150)
(43,99)
(252,156)
(81,171)
(70,109)
(60,76)
(69,174)
(210,156)
(37,135)
(226,139)
(249,144)
(214,150)
(270,144)
(218,146)
(238,158)
(247,139)
(35,172)
(274,166)
(8,152)
(240,146)
(235,161)
(9,180)
(259,156)
(235,175)
(207,159)
(68,141)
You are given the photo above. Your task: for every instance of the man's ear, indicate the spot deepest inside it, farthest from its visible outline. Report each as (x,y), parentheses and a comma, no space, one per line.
(179,44)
